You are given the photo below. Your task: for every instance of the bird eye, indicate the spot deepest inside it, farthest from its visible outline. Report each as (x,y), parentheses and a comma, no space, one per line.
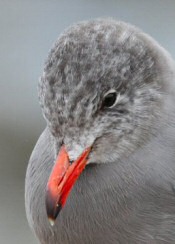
(110,99)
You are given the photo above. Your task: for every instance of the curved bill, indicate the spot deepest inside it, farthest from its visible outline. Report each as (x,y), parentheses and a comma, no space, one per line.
(62,179)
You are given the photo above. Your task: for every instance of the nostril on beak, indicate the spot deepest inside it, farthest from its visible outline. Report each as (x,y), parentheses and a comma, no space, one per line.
(71,161)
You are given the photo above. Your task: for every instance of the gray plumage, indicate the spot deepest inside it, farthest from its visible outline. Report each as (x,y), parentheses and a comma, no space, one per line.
(127,192)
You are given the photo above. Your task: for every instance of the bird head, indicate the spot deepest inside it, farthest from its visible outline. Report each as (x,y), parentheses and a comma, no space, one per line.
(101,95)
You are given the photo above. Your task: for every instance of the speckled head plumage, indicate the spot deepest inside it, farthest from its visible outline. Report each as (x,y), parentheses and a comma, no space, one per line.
(87,61)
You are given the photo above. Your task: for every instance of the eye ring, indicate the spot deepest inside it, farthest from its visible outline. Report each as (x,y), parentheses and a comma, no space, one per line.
(110,99)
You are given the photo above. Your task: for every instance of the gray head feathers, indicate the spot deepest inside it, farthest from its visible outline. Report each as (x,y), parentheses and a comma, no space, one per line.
(88,60)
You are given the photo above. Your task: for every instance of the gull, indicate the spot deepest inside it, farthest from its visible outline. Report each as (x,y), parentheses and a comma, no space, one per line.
(103,170)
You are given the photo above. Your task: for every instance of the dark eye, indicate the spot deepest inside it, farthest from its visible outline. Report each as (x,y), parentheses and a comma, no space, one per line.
(109,99)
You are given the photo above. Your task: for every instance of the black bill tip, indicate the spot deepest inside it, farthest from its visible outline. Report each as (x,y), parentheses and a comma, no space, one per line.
(52,208)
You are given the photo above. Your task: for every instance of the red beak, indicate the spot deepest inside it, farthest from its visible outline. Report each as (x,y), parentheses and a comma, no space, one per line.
(62,179)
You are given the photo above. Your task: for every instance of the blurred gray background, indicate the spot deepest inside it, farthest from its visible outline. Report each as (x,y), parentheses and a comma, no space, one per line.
(27,31)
